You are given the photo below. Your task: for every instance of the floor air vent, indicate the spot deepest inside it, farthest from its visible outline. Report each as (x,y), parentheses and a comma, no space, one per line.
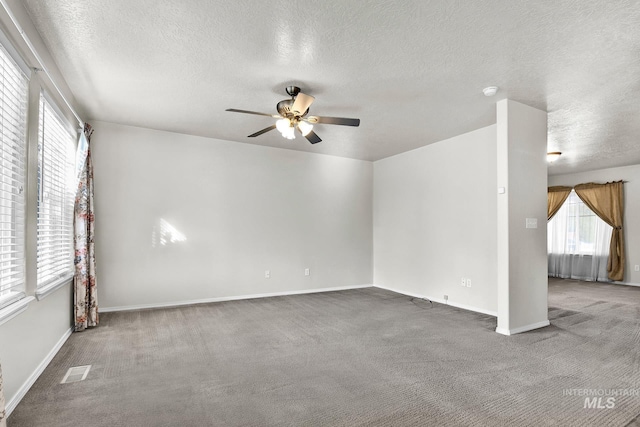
(75,374)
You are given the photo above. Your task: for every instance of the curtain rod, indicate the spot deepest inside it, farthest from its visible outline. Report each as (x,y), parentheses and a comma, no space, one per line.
(41,65)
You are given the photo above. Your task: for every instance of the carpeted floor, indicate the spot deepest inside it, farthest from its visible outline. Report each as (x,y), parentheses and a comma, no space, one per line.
(349,358)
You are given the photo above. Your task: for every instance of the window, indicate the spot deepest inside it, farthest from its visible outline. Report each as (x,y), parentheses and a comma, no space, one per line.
(56,194)
(581,226)
(578,242)
(13,116)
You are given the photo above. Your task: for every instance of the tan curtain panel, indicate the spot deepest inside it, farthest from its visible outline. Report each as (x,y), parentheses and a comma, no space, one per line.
(555,198)
(606,200)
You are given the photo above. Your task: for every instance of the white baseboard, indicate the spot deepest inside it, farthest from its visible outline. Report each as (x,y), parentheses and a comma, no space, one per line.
(606,282)
(231,298)
(442,301)
(624,283)
(523,328)
(13,402)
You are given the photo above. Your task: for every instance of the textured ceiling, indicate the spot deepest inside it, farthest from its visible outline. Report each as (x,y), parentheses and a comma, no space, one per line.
(412,71)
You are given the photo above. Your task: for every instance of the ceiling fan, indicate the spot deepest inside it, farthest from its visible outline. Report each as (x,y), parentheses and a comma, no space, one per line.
(293,114)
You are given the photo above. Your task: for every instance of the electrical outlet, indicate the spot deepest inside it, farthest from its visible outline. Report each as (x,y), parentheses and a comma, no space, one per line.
(446,297)
(637,268)
(468,283)
(306,272)
(463,282)
(267,274)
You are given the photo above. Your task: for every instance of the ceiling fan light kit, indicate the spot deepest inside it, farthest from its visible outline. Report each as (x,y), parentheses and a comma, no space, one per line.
(305,128)
(293,114)
(285,127)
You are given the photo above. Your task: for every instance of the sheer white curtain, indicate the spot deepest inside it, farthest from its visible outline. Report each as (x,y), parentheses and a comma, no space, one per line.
(578,242)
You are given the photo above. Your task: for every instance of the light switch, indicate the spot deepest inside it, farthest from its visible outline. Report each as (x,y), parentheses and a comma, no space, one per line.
(501,190)
(531,223)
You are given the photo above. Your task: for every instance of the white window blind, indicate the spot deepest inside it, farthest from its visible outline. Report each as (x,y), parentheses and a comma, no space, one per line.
(13,117)
(56,194)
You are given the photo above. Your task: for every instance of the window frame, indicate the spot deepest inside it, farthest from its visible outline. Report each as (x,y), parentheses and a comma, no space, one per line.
(14,304)
(575,211)
(15,299)
(578,211)
(15,152)
(47,110)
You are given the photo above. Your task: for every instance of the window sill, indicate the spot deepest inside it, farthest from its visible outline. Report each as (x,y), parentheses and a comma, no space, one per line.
(47,290)
(14,309)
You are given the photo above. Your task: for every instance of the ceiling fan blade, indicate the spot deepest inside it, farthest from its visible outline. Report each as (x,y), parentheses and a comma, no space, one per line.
(233,110)
(301,104)
(312,137)
(334,121)
(260,132)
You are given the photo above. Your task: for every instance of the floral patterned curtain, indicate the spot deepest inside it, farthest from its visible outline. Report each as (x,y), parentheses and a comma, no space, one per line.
(85,291)
(3,414)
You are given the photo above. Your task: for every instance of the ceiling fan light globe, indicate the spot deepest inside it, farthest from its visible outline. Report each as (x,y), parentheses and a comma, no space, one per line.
(305,128)
(282,125)
(289,133)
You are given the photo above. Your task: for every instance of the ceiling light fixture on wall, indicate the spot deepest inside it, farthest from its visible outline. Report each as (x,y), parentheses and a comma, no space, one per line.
(553,156)
(490,91)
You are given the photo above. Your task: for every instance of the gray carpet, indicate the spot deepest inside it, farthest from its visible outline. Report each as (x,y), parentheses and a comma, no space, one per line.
(349,358)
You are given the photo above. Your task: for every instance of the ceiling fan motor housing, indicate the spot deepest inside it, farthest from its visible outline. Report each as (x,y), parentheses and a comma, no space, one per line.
(284,108)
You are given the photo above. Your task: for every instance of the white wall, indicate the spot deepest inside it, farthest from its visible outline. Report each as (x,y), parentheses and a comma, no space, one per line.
(435,221)
(29,341)
(630,174)
(242,208)
(522,251)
